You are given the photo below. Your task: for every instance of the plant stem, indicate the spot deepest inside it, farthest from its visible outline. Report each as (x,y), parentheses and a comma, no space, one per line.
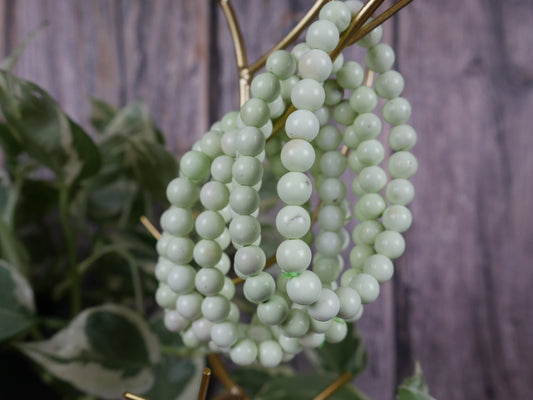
(71,249)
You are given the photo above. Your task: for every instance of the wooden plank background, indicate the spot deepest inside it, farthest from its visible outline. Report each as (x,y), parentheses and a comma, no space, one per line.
(461,301)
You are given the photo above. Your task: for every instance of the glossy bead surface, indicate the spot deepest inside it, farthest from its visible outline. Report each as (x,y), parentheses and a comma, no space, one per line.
(400,191)
(304,289)
(247,170)
(402,164)
(397,111)
(294,188)
(270,354)
(177,221)
(402,137)
(209,224)
(326,307)
(244,230)
(255,112)
(322,35)
(293,255)
(259,288)
(266,87)
(297,155)
(351,75)
(195,165)
(315,64)
(296,324)
(209,281)
(308,94)
(281,63)
(389,85)
(293,222)
(363,100)
(380,267)
(207,253)
(274,311)
(366,286)
(397,218)
(302,124)
(391,244)
(380,58)
(349,301)
(181,192)
(244,352)
(181,278)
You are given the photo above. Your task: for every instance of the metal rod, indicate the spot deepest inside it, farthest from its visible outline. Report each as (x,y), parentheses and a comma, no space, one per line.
(205,384)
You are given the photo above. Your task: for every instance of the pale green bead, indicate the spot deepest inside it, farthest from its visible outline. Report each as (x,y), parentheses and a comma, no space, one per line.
(367,126)
(299,50)
(347,276)
(289,345)
(189,340)
(255,112)
(331,217)
(302,124)
(202,329)
(343,113)
(397,111)
(234,313)
(244,352)
(296,324)
(328,138)
(287,86)
(359,254)
(228,290)
(350,138)
(273,146)
(332,191)
(328,243)
(327,268)
(274,311)
(312,340)
(372,179)
(326,307)
(354,6)
(244,230)
(337,331)
(357,189)
(214,195)
(372,38)
(370,206)
(162,268)
(319,326)
(380,267)
(366,286)
(211,144)
(162,244)
(354,163)
(402,137)
(265,87)
(270,354)
(324,115)
(402,164)
(305,288)
(177,221)
(315,64)
(224,264)
(277,167)
(397,218)
(334,93)
(338,13)
(332,163)
(308,94)
(215,308)
(217,126)
(221,168)
(322,35)
(189,305)
(227,142)
(244,200)
(293,255)
(350,302)
(366,232)
(195,166)
(380,58)
(224,334)
(179,250)
(297,155)
(390,84)
(337,64)
(229,121)
(249,260)
(174,322)
(351,75)
(181,192)
(294,188)
(209,224)
(400,191)
(165,297)
(370,152)
(259,288)
(281,63)
(293,222)
(363,99)
(389,243)
(249,141)
(247,170)
(207,253)
(276,107)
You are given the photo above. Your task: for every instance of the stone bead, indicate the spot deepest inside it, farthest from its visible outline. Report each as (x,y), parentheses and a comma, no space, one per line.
(359,254)
(363,99)
(397,111)
(328,138)
(315,64)
(265,87)
(366,286)
(380,267)
(400,191)
(343,113)
(294,188)
(402,164)
(322,35)
(380,58)
(389,84)
(367,126)
(402,137)
(195,166)
(336,12)
(390,244)
(370,152)
(302,124)
(281,63)
(255,112)
(351,75)
(308,94)
(297,155)
(397,218)
(293,255)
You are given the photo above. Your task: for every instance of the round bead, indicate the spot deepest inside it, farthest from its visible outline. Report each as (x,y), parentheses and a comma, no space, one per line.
(244,230)
(221,168)
(366,232)
(323,114)
(207,253)
(247,170)
(402,164)
(334,93)
(255,112)
(195,165)
(402,137)
(249,141)
(347,276)
(372,179)
(329,243)
(315,64)
(400,191)
(397,218)
(181,278)
(337,331)
(224,264)
(189,339)
(370,206)
(397,111)
(305,288)
(265,87)
(215,308)
(326,307)
(202,329)
(297,155)
(274,311)
(293,255)
(332,191)
(244,352)
(290,345)
(189,305)
(367,126)
(227,142)
(336,12)
(312,340)
(228,290)
(224,334)
(302,124)
(363,99)
(296,324)
(299,50)
(177,221)
(249,260)
(209,224)
(322,35)
(380,267)
(281,63)
(359,254)
(294,188)
(370,152)
(380,58)
(162,268)
(327,268)
(390,244)
(270,354)
(287,86)
(329,138)
(174,322)
(343,113)
(179,250)
(349,301)
(308,94)
(165,297)
(293,222)
(211,144)
(333,164)
(276,107)
(389,85)
(209,281)
(366,286)
(181,192)
(351,75)
(331,217)
(371,38)
(229,121)
(259,288)
(244,200)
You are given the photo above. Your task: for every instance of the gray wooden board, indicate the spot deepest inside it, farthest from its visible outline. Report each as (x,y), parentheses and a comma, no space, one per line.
(460,301)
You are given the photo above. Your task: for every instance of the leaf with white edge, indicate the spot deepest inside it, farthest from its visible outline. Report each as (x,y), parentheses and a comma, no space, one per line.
(102,113)
(414,387)
(133,120)
(17,306)
(104,351)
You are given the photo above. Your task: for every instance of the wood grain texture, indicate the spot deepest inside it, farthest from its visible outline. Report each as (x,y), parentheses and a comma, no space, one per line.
(460,301)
